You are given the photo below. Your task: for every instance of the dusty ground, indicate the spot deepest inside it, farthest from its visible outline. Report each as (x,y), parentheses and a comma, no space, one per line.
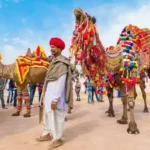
(87,128)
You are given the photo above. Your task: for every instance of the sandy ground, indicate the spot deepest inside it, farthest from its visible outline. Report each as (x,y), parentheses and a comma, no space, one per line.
(87,128)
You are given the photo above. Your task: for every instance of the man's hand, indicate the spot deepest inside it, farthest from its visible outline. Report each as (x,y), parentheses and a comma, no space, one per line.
(41,104)
(54,105)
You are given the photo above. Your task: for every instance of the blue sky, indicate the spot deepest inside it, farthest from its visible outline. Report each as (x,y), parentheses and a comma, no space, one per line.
(28,23)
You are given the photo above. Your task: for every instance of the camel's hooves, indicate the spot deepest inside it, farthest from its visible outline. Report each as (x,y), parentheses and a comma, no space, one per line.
(107,111)
(146,110)
(111,115)
(27,115)
(136,131)
(132,129)
(16,114)
(122,121)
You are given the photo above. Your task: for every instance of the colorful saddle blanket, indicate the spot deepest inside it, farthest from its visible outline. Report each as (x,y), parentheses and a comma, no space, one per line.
(113,58)
(24,63)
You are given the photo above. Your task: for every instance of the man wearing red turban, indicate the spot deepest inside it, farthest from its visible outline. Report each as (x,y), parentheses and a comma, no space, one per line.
(57,92)
(59,43)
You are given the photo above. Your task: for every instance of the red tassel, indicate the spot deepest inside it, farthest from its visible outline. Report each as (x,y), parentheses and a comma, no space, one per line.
(38,51)
(85,35)
(138,43)
(92,33)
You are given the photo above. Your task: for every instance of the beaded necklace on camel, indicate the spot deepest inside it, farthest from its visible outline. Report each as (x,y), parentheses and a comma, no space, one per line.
(132,40)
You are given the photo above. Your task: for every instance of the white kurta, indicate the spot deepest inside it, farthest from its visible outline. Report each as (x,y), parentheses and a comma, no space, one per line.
(55,91)
(54,120)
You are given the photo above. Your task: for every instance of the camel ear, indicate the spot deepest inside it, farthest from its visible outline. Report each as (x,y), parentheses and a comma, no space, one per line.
(1,57)
(93,20)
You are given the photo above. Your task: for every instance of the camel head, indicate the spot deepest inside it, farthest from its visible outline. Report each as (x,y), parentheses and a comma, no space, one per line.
(79,14)
(84,31)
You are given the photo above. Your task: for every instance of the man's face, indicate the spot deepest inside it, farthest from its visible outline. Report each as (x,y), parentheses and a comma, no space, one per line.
(55,51)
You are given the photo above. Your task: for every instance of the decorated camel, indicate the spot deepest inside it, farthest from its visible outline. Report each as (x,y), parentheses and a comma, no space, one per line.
(31,68)
(141,38)
(143,63)
(120,66)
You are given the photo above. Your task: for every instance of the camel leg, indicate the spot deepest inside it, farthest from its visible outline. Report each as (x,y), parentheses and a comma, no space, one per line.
(135,96)
(19,105)
(27,102)
(142,87)
(69,110)
(110,97)
(124,119)
(132,128)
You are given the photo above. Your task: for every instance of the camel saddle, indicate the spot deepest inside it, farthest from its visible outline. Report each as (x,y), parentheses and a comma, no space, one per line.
(24,63)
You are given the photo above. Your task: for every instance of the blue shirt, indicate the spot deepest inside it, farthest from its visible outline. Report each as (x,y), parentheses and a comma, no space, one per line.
(89,86)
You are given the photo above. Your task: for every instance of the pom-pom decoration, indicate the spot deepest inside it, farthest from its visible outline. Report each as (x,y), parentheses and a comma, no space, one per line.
(87,48)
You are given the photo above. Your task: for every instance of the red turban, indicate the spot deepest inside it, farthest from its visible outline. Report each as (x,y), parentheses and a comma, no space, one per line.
(57,42)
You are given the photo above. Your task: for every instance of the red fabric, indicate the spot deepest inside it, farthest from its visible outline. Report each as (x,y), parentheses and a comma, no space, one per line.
(40,86)
(38,51)
(57,42)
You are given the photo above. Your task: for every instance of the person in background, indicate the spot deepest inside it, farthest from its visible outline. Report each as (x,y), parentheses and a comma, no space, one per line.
(15,96)
(119,93)
(32,88)
(89,89)
(85,85)
(40,87)
(77,89)
(94,93)
(10,91)
(101,94)
(2,87)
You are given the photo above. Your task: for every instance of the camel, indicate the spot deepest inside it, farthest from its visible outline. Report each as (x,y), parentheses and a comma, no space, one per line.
(89,52)
(142,76)
(35,75)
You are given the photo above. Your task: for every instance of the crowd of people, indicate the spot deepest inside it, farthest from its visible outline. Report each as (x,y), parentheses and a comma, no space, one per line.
(90,89)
